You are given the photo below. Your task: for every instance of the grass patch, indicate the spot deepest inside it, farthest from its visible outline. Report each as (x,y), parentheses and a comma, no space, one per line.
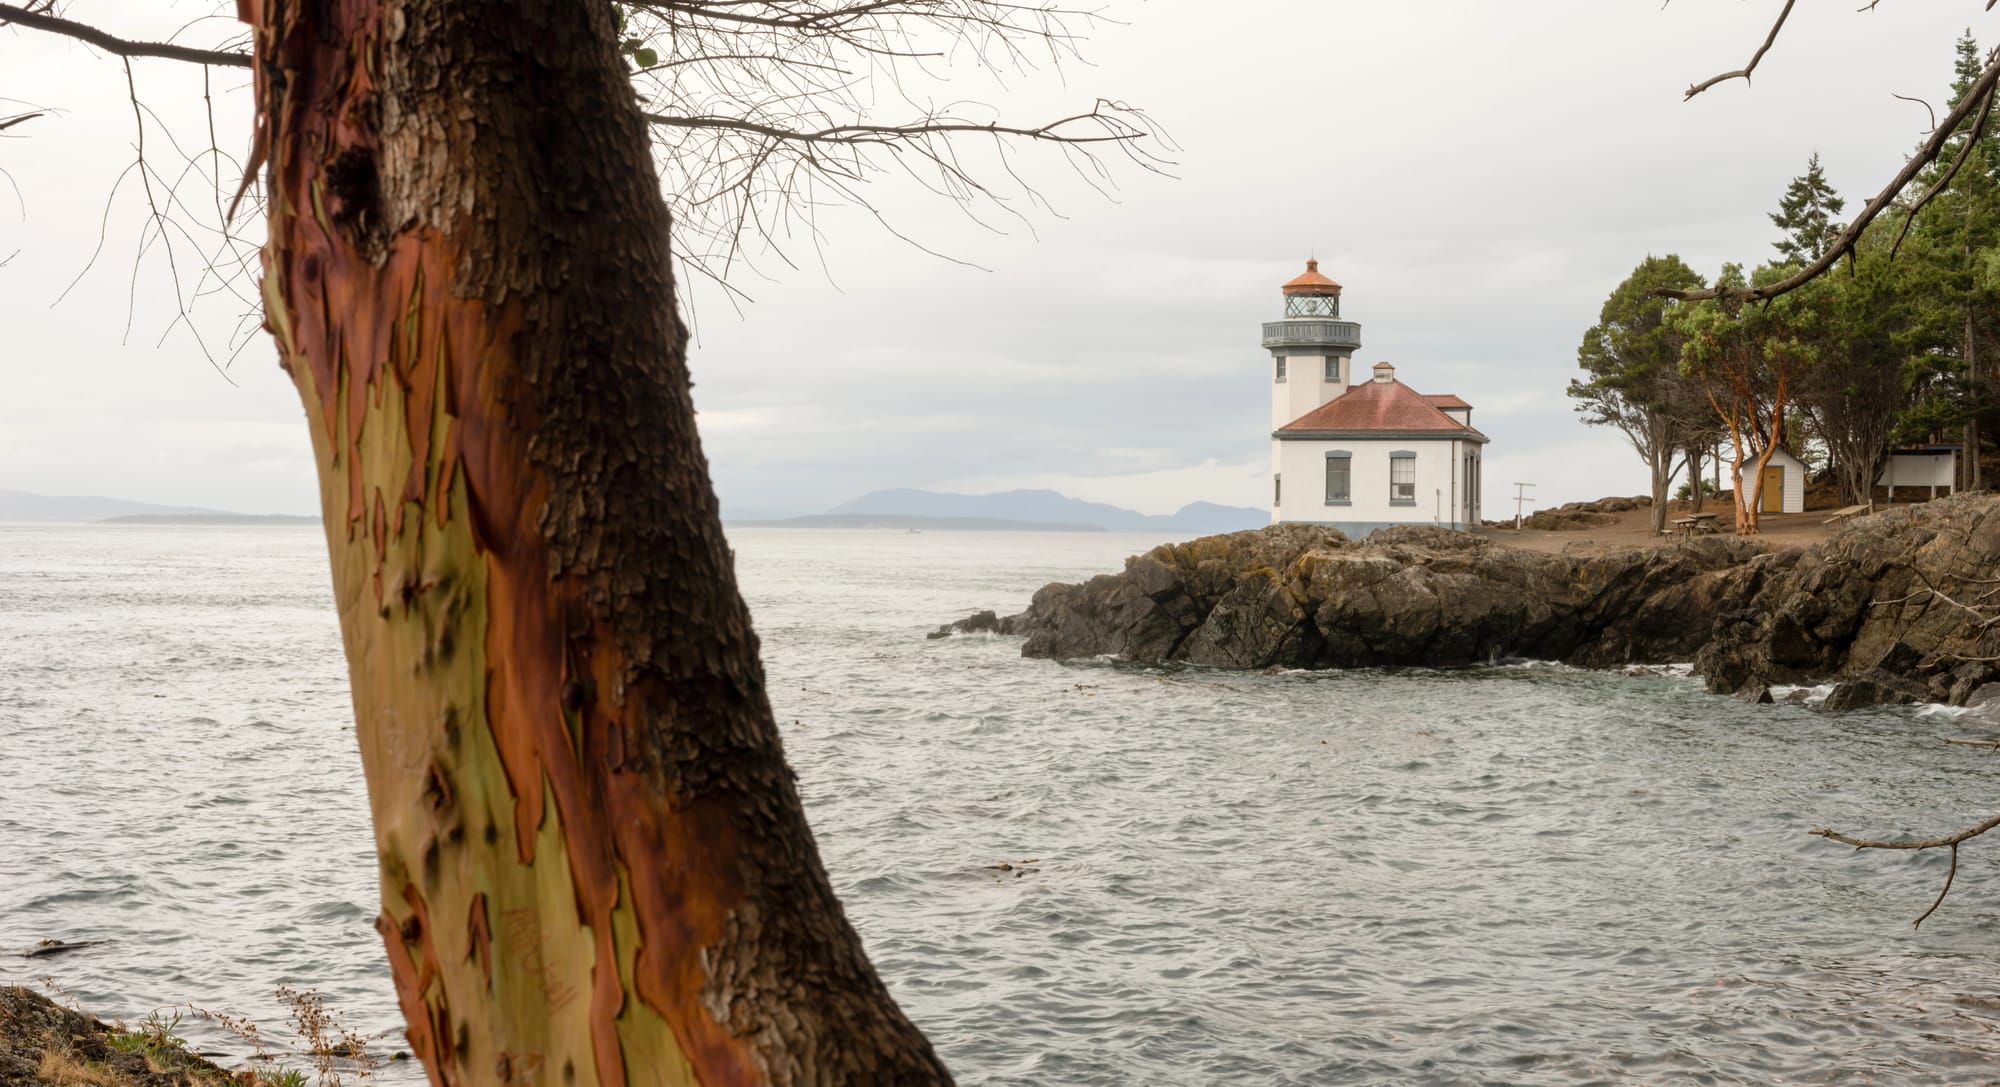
(61,1068)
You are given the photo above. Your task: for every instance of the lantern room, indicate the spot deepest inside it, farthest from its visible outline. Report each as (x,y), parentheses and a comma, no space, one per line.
(1311,294)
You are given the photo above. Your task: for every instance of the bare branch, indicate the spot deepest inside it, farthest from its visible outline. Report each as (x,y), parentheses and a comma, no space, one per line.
(1975,98)
(1965,835)
(117,46)
(764,114)
(1743,73)
(1112,132)
(1985,620)
(1949,841)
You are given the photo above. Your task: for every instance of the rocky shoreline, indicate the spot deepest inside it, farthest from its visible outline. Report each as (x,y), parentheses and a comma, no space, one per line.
(1899,606)
(43,1044)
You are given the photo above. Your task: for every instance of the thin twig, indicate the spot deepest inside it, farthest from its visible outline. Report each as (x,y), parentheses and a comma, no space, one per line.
(1950,874)
(1743,73)
(1921,102)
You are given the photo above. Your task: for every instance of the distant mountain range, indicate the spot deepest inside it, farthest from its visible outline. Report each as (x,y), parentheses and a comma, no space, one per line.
(1037,510)
(18,507)
(935,524)
(1040,510)
(210,519)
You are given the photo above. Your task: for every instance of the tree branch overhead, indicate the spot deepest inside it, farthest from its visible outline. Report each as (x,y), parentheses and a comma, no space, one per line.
(12,14)
(1976,98)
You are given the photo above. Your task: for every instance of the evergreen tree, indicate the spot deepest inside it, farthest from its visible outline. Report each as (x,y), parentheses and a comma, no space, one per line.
(1965,68)
(1806,216)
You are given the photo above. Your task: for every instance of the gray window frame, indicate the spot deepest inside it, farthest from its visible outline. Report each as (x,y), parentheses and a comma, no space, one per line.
(1280,379)
(1346,461)
(1398,459)
(1332,368)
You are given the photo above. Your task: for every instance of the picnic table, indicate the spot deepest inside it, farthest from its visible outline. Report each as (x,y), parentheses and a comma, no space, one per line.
(1850,512)
(1696,524)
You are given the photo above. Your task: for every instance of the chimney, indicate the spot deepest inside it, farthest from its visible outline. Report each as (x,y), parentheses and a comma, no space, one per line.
(1385,374)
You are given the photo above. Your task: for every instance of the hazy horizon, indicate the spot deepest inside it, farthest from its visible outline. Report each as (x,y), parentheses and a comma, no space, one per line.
(1479,179)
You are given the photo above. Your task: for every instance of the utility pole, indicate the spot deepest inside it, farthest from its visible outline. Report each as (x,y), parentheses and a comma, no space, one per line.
(1520,499)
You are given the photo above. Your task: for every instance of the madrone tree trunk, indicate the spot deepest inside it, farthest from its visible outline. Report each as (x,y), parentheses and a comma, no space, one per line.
(595,867)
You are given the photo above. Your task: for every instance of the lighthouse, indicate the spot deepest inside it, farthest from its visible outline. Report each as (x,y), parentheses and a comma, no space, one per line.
(1364,456)
(1311,348)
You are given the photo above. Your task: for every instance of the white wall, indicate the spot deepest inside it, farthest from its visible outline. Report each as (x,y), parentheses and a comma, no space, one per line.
(1305,386)
(1440,483)
(1921,470)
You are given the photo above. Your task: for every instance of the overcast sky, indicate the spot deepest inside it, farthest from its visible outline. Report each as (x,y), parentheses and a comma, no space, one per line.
(1477,175)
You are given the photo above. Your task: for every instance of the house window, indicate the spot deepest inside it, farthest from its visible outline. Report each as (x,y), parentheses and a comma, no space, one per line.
(1277,490)
(1402,479)
(1333,368)
(1281,368)
(1338,478)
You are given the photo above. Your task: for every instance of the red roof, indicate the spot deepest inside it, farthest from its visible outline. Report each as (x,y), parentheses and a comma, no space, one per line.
(1378,405)
(1446,400)
(1311,282)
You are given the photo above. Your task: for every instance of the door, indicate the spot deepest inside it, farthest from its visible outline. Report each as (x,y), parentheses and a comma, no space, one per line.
(1771,496)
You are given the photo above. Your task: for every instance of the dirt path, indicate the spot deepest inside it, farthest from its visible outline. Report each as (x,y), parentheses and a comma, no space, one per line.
(1633,529)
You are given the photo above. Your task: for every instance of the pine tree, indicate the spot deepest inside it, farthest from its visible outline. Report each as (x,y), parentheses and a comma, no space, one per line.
(1965,69)
(1806,216)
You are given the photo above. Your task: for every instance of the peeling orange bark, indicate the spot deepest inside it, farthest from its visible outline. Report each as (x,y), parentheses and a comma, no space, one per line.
(595,866)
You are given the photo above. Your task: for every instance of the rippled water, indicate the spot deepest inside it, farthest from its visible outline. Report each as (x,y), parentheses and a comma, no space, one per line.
(1517,874)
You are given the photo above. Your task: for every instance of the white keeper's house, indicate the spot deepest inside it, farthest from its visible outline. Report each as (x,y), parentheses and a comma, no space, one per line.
(1360,456)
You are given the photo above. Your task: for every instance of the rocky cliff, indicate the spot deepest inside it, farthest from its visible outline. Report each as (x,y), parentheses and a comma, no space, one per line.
(1905,605)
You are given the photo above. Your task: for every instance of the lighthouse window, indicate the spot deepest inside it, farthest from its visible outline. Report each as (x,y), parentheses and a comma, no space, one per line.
(1281,368)
(1337,478)
(1277,490)
(1402,479)
(1333,368)
(1312,305)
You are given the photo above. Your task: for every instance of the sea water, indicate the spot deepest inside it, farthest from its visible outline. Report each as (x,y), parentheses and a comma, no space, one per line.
(1084,873)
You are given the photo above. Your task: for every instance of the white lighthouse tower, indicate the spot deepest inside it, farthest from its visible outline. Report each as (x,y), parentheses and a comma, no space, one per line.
(1311,349)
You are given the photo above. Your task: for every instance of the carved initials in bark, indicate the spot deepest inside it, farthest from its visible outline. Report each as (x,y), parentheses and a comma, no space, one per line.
(595,866)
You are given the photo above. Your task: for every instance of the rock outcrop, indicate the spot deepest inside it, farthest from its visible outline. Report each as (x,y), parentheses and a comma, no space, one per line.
(1904,604)
(1577,516)
(1901,606)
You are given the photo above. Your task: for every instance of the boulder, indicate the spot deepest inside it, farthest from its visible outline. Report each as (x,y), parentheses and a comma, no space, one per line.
(1872,689)
(1755,694)
(979,622)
